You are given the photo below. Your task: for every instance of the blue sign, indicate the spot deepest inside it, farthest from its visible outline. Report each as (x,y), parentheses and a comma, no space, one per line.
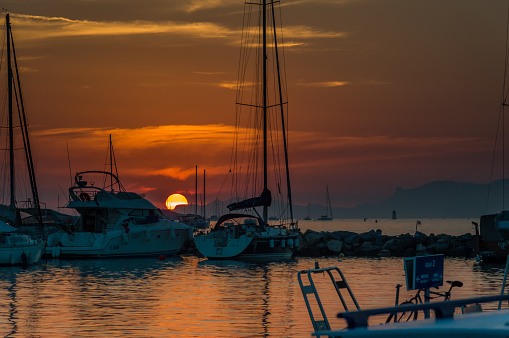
(424,272)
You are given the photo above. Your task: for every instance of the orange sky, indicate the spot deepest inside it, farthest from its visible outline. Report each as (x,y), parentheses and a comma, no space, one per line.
(383,93)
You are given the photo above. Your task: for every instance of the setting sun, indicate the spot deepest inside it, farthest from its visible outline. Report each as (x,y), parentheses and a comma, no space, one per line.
(176,199)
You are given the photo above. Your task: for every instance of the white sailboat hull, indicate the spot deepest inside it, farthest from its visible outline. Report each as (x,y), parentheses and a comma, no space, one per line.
(21,254)
(257,247)
(142,241)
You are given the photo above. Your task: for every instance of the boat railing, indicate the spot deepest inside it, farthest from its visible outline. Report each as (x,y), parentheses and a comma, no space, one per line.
(308,288)
(89,193)
(442,310)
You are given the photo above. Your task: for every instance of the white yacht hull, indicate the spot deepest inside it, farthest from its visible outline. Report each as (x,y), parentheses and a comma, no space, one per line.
(21,254)
(148,241)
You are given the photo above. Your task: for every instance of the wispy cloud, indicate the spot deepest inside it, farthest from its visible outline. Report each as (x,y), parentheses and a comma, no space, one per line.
(36,27)
(325,84)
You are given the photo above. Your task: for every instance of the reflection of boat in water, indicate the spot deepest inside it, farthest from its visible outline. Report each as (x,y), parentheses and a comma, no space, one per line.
(18,249)
(115,224)
(250,236)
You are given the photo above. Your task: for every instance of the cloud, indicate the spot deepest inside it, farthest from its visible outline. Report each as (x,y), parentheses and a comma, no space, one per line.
(325,84)
(196,5)
(31,27)
(37,27)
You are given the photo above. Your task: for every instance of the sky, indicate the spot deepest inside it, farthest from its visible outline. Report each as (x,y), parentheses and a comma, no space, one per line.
(382,93)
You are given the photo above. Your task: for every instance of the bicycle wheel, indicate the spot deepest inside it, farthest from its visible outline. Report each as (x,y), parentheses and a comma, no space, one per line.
(403,316)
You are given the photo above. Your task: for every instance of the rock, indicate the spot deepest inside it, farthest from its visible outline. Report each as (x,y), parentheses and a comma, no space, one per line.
(352,240)
(341,235)
(334,246)
(368,249)
(312,238)
(420,250)
(368,236)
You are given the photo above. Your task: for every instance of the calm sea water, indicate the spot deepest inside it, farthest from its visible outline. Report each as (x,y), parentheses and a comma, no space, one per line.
(193,297)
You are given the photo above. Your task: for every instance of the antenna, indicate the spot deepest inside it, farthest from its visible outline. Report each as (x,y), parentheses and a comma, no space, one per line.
(69,162)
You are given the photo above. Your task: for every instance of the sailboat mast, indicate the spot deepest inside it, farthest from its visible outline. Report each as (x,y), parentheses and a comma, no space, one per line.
(283,127)
(264,61)
(11,127)
(204,203)
(111,164)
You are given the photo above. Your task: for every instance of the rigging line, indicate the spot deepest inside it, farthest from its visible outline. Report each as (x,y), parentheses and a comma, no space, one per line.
(504,89)
(500,118)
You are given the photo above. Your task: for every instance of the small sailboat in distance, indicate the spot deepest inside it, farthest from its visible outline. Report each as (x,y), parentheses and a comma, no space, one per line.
(328,208)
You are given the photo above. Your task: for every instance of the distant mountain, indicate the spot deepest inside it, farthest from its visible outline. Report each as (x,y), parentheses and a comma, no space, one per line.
(439,199)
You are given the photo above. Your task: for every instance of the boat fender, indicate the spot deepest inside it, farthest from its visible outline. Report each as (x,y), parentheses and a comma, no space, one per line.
(147,234)
(290,243)
(53,251)
(24,259)
(271,243)
(125,239)
(84,197)
(57,252)
(283,243)
(296,242)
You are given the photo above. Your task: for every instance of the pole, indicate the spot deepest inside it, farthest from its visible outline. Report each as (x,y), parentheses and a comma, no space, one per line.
(11,126)
(264,57)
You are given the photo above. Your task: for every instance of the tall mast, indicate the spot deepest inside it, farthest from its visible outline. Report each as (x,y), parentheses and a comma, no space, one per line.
(111,164)
(11,127)
(264,58)
(283,127)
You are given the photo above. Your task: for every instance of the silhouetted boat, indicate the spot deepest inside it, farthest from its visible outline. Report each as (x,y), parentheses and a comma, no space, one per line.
(328,208)
(245,236)
(114,222)
(16,248)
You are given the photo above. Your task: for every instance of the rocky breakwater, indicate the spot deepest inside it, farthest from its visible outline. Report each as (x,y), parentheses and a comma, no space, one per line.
(375,244)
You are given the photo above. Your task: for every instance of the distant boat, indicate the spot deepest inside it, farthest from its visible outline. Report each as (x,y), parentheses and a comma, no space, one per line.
(199,222)
(328,208)
(246,236)
(308,217)
(394,214)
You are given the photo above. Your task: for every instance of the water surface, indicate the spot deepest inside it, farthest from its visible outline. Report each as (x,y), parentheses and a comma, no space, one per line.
(192,297)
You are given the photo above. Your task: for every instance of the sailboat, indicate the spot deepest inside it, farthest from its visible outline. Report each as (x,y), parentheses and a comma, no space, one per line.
(247,235)
(328,208)
(308,217)
(16,248)
(492,231)
(114,222)
(199,222)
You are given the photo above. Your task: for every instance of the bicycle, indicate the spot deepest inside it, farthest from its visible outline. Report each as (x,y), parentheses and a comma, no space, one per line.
(417,299)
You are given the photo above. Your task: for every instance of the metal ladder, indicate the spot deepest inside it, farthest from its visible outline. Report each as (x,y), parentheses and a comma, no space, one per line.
(322,324)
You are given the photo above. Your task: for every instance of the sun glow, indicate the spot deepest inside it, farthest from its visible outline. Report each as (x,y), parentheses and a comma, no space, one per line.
(176,199)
